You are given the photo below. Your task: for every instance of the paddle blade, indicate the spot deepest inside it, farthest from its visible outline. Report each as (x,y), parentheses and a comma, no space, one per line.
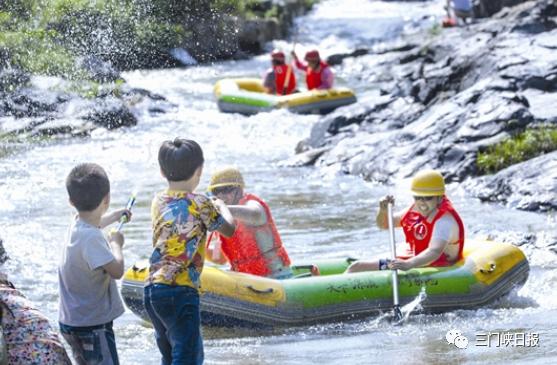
(398,318)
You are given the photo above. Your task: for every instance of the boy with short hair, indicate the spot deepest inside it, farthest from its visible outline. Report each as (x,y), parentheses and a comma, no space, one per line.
(181,219)
(89,298)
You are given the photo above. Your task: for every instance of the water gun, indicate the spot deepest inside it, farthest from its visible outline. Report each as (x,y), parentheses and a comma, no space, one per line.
(124,219)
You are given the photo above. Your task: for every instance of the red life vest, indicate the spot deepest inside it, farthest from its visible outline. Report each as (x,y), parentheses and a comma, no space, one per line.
(418,231)
(313,77)
(280,79)
(242,249)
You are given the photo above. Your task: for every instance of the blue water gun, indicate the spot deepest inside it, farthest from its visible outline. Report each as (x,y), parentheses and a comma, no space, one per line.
(124,219)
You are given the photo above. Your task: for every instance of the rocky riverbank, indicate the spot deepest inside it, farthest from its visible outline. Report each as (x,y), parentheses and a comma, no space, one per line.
(441,98)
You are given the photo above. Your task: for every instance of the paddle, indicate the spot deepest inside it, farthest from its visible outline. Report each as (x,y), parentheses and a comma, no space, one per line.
(124,218)
(288,72)
(287,80)
(396,306)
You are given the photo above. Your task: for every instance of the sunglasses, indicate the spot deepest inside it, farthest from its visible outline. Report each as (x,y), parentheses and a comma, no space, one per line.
(424,198)
(224,190)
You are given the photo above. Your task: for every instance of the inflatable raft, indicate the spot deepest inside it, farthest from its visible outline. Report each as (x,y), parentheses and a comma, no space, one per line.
(488,271)
(247,96)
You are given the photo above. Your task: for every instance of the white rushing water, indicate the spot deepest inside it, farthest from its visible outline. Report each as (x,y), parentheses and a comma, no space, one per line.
(319,213)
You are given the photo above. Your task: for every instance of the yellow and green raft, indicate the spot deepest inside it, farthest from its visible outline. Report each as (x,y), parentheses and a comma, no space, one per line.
(488,271)
(247,96)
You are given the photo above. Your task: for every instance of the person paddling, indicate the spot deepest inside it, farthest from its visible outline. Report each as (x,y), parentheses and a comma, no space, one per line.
(318,73)
(256,247)
(433,229)
(280,78)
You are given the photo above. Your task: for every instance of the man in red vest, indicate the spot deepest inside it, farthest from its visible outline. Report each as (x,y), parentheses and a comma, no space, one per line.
(255,247)
(280,78)
(432,227)
(318,73)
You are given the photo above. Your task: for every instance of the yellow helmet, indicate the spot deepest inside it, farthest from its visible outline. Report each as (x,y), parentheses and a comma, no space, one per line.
(428,183)
(228,176)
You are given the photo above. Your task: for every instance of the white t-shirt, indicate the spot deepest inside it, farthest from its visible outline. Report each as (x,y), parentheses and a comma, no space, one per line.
(446,229)
(88,295)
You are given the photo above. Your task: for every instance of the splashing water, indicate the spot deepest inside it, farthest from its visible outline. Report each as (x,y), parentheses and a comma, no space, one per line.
(415,304)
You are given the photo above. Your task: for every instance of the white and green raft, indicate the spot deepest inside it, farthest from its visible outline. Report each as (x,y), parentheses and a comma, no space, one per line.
(247,96)
(488,271)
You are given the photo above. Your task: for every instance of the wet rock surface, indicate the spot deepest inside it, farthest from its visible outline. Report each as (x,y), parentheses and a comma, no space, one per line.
(438,99)
(48,106)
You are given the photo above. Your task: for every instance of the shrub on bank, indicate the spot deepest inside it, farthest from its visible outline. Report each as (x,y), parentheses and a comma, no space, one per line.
(524,146)
(49,36)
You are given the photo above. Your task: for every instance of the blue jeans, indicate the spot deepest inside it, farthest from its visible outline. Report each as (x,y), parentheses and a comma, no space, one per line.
(91,345)
(174,312)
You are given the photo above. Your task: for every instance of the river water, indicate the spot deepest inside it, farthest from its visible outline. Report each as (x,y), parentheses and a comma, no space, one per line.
(319,213)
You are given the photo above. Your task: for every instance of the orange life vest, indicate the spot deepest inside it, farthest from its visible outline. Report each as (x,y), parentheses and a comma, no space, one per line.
(418,231)
(243,250)
(281,71)
(313,77)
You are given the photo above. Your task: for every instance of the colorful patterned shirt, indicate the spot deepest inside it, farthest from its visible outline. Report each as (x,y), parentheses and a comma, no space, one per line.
(180,224)
(28,336)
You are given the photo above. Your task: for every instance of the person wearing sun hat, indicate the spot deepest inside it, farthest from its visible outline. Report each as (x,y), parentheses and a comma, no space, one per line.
(433,229)
(256,247)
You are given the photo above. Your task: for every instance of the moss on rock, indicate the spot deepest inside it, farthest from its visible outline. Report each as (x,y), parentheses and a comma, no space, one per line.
(521,147)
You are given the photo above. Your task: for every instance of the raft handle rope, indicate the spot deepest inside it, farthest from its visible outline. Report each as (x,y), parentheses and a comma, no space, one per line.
(491,269)
(259,291)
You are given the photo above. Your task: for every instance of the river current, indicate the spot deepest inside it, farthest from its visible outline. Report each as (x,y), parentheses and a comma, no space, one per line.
(319,212)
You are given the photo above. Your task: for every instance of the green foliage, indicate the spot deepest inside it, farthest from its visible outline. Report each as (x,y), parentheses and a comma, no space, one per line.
(273,12)
(522,147)
(47,36)
(88,90)
(231,6)
(36,51)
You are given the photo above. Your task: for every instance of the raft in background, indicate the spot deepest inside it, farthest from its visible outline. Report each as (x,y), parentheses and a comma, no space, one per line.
(247,96)
(488,271)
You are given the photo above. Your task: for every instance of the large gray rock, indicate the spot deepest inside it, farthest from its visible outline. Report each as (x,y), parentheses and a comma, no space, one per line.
(111,113)
(439,104)
(12,78)
(43,109)
(531,185)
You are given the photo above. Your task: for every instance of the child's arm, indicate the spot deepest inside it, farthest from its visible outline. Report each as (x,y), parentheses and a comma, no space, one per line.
(115,268)
(114,216)
(229,226)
